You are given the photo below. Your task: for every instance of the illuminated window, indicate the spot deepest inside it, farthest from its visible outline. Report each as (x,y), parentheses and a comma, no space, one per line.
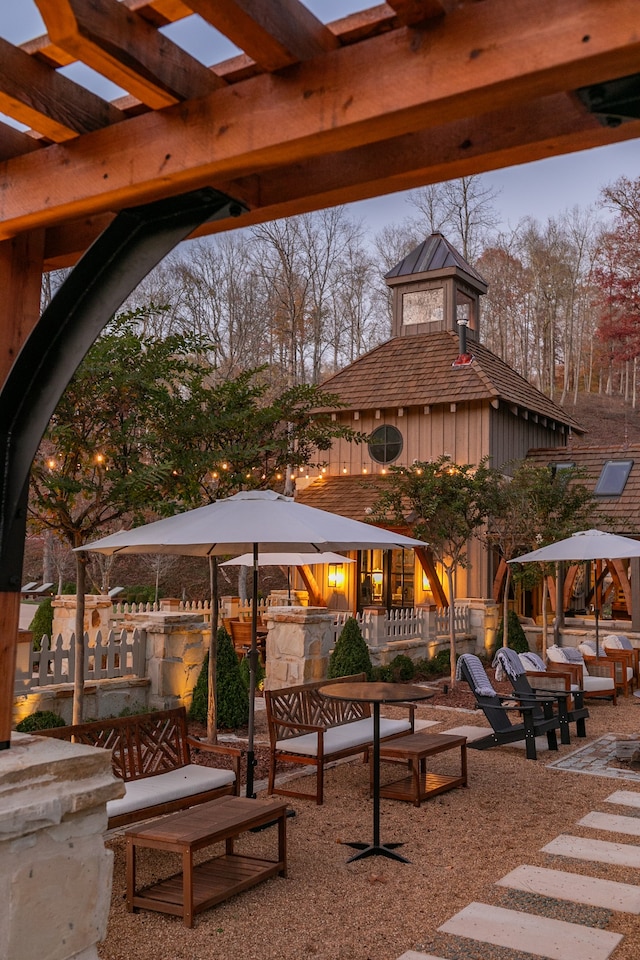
(613,478)
(386,444)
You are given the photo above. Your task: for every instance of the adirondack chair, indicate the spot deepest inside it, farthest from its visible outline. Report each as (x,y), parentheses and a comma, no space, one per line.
(497,710)
(570,707)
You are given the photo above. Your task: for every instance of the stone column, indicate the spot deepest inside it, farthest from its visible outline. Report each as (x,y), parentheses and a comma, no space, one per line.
(484,616)
(176,647)
(375,632)
(98,612)
(55,873)
(298,645)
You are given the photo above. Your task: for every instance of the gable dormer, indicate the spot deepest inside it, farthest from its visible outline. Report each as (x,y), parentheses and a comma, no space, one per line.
(433,289)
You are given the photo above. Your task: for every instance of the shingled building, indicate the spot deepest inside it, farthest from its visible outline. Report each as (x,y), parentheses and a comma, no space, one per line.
(432,389)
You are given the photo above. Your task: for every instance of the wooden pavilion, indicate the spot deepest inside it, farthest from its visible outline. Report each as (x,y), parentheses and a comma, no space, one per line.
(309,114)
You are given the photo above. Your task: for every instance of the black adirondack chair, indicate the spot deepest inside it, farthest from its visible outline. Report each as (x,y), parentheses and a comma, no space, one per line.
(570,706)
(536,716)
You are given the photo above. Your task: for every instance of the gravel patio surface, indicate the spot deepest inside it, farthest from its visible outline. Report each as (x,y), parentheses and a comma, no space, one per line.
(459,844)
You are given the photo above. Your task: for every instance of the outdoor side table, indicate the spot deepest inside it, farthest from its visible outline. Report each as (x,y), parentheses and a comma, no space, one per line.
(376,693)
(196,888)
(414,750)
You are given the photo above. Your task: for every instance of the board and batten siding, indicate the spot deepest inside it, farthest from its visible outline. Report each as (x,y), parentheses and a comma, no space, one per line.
(512,435)
(461,433)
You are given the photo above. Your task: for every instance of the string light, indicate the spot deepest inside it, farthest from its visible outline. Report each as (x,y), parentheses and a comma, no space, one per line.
(51,464)
(344,469)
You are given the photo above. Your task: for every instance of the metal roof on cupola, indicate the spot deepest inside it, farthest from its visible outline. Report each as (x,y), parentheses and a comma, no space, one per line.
(435,256)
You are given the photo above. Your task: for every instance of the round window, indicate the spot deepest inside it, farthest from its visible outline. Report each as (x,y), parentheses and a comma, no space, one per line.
(386,444)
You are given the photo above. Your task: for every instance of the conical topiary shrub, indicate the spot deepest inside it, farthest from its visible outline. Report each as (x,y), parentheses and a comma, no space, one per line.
(350,654)
(42,623)
(516,638)
(232,702)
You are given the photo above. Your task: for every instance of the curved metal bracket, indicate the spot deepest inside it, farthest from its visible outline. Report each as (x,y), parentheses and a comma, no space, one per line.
(123,254)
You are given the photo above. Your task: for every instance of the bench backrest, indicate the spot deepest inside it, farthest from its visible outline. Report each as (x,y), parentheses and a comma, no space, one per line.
(142,745)
(305,705)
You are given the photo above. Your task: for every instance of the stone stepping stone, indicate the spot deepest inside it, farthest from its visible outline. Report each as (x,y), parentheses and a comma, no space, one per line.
(612,822)
(423,724)
(628,798)
(575,888)
(413,955)
(554,939)
(600,851)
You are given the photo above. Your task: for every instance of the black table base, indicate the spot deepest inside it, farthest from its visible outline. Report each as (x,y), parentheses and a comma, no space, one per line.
(376,850)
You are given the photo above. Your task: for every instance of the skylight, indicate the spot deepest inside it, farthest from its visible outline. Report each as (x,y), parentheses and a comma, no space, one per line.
(613,478)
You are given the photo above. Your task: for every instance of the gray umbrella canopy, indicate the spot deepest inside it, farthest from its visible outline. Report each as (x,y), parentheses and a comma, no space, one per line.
(261,518)
(255,521)
(584,545)
(286,559)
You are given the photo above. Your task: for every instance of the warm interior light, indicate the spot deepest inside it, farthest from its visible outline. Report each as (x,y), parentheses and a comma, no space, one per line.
(376,576)
(336,576)
(425,582)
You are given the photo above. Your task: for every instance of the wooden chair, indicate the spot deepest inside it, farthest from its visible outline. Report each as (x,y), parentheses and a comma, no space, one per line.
(241,636)
(623,660)
(570,707)
(619,641)
(598,681)
(537,717)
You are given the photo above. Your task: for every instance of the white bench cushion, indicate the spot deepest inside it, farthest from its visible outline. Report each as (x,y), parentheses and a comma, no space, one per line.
(171,785)
(596,684)
(345,735)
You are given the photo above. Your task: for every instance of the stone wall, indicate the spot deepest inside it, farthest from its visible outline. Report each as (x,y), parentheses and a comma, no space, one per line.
(55,873)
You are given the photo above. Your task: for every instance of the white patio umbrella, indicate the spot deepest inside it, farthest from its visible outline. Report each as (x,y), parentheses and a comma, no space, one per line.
(582,546)
(255,521)
(287,560)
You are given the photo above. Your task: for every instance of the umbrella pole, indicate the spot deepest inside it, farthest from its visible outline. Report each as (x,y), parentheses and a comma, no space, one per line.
(253,669)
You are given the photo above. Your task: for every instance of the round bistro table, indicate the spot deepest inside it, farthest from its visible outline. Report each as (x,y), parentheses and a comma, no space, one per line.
(376,693)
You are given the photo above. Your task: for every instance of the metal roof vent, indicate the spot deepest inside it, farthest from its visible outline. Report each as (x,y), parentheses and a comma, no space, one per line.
(464,358)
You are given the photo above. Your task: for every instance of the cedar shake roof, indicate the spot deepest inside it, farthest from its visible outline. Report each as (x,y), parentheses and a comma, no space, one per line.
(434,253)
(348,496)
(623,510)
(417,371)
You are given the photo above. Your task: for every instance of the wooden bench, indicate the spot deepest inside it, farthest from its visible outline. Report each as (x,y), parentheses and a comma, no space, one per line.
(307,728)
(151,753)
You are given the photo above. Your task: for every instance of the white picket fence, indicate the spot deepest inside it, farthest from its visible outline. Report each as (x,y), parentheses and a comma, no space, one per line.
(120,608)
(406,624)
(118,655)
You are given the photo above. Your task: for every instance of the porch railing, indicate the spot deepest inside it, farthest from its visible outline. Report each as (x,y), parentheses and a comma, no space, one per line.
(406,624)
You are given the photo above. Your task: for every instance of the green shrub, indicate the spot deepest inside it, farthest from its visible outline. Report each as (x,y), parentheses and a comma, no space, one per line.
(40,720)
(42,623)
(244,673)
(402,668)
(516,636)
(350,654)
(232,703)
(383,673)
(428,668)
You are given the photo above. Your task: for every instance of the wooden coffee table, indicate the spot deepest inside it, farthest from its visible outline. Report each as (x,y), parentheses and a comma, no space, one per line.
(414,750)
(196,888)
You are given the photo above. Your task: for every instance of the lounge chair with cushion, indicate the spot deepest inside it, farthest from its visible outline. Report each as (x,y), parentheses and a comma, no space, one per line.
(597,681)
(620,641)
(623,660)
(508,664)
(535,716)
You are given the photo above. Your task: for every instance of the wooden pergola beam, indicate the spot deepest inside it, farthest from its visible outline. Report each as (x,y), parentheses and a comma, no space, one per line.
(46,100)
(552,126)
(275,36)
(326,107)
(122,46)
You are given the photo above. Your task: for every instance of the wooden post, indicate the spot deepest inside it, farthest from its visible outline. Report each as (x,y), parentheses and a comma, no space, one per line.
(20,281)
